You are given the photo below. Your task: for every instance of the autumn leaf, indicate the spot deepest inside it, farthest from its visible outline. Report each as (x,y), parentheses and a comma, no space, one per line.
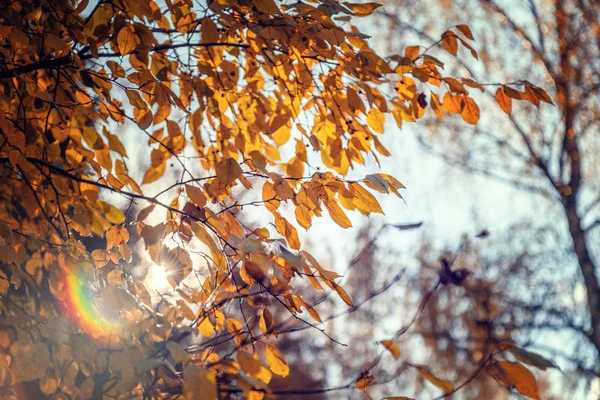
(199,381)
(470,111)
(362,9)
(337,214)
(277,363)
(126,40)
(465,30)
(443,384)
(364,381)
(364,200)
(449,42)
(376,119)
(515,375)
(528,357)
(228,171)
(392,348)
(504,101)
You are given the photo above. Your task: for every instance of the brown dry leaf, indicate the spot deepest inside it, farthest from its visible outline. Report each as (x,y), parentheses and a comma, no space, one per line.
(443,384)
(126,40)
(450,43)
(228,171)
(515,375)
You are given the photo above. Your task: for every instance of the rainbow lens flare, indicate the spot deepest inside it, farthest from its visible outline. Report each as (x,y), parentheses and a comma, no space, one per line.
(79,307)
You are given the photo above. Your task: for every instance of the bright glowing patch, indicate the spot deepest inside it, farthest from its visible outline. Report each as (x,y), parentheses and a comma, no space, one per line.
(79,307)
(157,278)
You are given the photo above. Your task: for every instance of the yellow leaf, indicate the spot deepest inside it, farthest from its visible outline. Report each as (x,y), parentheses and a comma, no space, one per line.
(228,171)
(362,9)
(277,363)
(249,364)
(205,237)
(337,214)
(154,173)
(364,200)
(126,40)
(443,384)
(515,375)
(199,383)
(303,216)
(364,381)
(384,183)
(343,295)
(114,215)
(376,119)
(392,347)
(288,231)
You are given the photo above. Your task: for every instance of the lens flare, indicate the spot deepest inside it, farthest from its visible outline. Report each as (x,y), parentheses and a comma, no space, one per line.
(79,307)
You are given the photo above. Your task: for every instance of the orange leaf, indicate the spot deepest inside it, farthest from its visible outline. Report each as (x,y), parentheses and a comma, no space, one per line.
(362,9)
(443,384)
(465,30)
(450,43)
(364,381)
(515,375)
(470,111)
(392,347)
(126,40)
(503,100)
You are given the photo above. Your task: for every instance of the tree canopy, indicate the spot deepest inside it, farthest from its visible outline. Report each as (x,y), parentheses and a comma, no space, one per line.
(230,108)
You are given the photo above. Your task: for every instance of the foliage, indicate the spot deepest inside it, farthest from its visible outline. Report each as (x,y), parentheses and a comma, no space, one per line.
(544,156)
(231,96)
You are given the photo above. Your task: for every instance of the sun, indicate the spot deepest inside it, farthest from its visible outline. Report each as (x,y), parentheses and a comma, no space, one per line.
(156,280)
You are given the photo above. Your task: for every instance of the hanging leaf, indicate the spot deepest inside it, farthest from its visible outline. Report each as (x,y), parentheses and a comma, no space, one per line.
(364,381)
(228,171)
(392,348)
(126,40)
(450,43)
(515,375)
(528,357)
(504,101)
(443,384)
(362,9)
(277,363)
